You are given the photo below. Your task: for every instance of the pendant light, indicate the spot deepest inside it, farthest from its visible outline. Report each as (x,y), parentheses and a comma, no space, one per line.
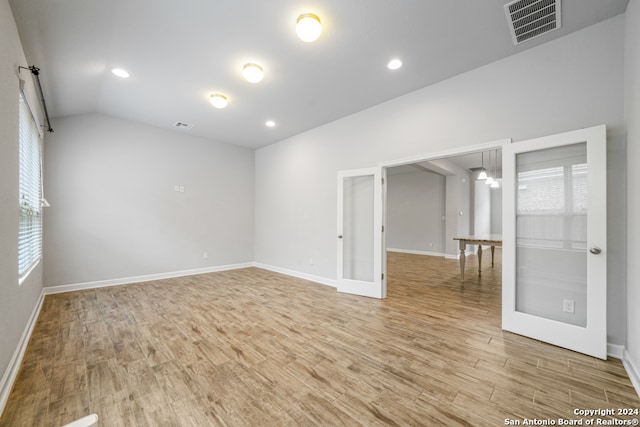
(489,179)
(483,171)
(495,183)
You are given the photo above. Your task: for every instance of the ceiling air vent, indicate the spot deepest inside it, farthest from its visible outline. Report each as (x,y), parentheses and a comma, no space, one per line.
(182,125)
(532,18)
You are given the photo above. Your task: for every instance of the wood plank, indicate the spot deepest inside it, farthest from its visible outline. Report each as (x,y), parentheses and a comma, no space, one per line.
(251,347)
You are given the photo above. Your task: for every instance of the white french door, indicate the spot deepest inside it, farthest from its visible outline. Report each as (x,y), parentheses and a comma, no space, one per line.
(360,234)
(554,286)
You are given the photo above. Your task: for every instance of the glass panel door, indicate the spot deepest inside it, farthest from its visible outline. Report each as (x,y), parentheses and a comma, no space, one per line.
(554,240)
(360,232)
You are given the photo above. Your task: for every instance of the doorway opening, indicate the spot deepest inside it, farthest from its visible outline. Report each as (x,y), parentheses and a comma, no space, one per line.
(430,203)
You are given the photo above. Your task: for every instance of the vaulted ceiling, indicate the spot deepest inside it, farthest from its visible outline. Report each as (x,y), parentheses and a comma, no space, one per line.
(180,52)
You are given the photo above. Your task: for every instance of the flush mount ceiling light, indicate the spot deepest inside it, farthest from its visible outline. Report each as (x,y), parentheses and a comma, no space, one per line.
(120,73)
(394,64)
(252,72)
(270,123)
(218,100)
(308,27)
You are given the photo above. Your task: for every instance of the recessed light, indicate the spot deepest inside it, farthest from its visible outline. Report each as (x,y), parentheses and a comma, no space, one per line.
(252,72)
(394,64)
(308,27)
(218,100)
(270,123)
(120,73)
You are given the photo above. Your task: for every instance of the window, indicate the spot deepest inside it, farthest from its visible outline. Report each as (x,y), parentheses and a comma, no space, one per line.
(552,198)
(30,192)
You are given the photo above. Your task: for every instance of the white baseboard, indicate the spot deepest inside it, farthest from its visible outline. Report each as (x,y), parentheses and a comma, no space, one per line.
(415,252)
(457,256)
(49,290)
(298,274)
(633,369)
(10,374)
(616,351)
(441,254)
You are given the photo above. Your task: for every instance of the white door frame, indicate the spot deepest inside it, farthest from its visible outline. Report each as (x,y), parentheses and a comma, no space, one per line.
(460,151)
(453,152)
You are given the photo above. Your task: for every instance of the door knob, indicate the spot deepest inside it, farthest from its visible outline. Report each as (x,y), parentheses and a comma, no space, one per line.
(595,250)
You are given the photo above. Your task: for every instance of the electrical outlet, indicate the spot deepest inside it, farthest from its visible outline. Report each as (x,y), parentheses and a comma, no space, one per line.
(310,261)
(205,256)
(568,306)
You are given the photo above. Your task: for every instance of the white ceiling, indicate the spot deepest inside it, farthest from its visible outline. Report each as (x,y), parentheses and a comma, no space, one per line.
(179,52)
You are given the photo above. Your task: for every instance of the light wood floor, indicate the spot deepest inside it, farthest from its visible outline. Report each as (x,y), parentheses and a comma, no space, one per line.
(251,348)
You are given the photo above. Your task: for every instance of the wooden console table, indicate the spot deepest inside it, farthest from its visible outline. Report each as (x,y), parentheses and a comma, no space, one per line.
(492,240)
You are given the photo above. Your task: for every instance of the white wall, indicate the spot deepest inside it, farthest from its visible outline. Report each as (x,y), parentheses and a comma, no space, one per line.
(482,212)
(114,213)
(570,83)
(496,210)
(458,210)
(632,118)
(415,210)
(16,302)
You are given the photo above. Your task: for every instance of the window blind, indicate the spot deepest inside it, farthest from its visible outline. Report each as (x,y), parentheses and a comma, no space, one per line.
(552,198)
(30,191)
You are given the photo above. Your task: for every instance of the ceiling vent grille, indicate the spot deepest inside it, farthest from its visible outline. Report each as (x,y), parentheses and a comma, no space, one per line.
(529,19)
(182,125)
